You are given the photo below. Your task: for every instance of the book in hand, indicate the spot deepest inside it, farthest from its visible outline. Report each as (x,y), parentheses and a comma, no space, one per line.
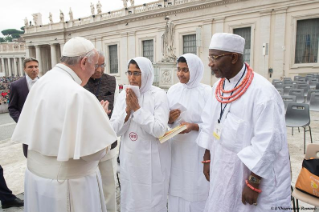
(171,133)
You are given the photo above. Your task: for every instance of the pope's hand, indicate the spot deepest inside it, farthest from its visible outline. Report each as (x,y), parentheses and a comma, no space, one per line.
(173,115)
(105,105)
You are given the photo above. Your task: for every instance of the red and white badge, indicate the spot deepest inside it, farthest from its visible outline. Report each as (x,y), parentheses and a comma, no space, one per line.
(133,136)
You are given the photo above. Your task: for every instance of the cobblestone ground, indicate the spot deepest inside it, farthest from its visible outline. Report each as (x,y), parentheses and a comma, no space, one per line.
(14,163)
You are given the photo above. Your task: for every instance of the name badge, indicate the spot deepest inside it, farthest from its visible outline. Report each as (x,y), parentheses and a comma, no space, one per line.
(217,130)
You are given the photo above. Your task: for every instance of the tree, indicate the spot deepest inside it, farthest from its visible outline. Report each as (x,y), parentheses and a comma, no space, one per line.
(10,34)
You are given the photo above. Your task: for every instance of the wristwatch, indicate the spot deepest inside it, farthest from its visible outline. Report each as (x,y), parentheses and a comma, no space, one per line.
(253,179)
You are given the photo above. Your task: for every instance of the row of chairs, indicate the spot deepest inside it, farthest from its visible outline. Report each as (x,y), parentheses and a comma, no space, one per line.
(298,115)
(296,95)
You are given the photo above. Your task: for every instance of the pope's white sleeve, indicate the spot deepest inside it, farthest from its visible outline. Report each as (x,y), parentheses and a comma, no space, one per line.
(204,138)
(118,116)
(267,141)
(155,125)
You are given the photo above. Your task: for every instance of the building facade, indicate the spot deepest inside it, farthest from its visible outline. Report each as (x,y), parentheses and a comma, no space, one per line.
(12,55)
(282,36)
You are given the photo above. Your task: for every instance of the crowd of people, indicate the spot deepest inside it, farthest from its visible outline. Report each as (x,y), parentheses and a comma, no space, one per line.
(5,89)
(232,154)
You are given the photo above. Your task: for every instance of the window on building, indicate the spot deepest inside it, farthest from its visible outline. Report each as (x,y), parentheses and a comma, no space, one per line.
(246,34)
(148,49)
(307,39)
(189,44)
(113,59)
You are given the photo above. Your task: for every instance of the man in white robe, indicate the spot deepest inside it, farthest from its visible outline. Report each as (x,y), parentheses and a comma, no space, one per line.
(144,160)
(188,188)
(66,132)
(248,151)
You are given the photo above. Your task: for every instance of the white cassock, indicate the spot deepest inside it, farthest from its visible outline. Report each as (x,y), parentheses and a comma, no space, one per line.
(144,160)
(67,133)
(188,188)
(253,139)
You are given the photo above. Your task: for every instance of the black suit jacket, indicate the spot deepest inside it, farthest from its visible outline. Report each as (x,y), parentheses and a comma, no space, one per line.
(18,94)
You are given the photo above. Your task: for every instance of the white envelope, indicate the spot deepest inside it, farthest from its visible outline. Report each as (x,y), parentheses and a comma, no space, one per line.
(178,106)
(134,88)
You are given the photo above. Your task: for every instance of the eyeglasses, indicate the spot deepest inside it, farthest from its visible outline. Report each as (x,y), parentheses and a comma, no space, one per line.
(213,58)
(134,73)
(97,66)
(185,70)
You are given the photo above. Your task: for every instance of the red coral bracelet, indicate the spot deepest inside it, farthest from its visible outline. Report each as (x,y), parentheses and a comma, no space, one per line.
(253,188)
(206,161)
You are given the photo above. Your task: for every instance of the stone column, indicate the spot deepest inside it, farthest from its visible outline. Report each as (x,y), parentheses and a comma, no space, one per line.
(131,44)
(207,29)
(21,66)
(38,57)
(123,59)
(2,66)
(261,65)
(27,51)
(9,67)
(53,55)
(61,48)
(277,52)
(218,25)
(15,68)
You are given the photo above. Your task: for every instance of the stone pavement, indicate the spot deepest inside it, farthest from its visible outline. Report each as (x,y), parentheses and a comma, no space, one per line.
(14,163)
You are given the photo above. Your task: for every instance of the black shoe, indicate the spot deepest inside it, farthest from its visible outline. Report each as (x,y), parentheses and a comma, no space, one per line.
(14,203)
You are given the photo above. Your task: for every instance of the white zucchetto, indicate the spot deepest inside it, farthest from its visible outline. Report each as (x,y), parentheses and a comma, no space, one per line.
(77,46)
(227,42)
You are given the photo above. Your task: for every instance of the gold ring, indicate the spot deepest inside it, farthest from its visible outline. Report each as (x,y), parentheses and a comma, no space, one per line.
(255,204)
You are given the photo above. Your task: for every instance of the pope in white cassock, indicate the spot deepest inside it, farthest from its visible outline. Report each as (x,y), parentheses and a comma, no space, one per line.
(188,188)
(244,133)
(66,132)
(144,160)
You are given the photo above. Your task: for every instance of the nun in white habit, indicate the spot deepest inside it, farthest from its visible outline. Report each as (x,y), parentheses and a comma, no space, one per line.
(188,188)
(144,160)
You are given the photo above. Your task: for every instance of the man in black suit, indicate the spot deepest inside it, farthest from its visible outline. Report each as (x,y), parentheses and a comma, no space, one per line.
(18,93)
(19,89)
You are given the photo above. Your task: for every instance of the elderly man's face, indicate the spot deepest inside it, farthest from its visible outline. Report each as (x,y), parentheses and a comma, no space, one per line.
(221,66)
(32,69)
(100,69)
(134,75)
(88,67)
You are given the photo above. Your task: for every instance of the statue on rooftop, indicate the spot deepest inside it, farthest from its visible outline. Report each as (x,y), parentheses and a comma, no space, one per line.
(35,19)
(92,9)
(26,22)
(125,3)
(50,18)
(71,14)
(61,16)
(99,7)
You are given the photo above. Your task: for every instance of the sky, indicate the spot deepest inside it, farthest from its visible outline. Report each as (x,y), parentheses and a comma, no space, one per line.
(13,12)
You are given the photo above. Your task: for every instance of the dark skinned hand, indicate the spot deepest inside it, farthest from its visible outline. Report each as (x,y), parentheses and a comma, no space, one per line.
(206,166)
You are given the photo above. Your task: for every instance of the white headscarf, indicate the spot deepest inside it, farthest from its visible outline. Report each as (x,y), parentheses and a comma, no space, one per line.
(147,70)
(196,69)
